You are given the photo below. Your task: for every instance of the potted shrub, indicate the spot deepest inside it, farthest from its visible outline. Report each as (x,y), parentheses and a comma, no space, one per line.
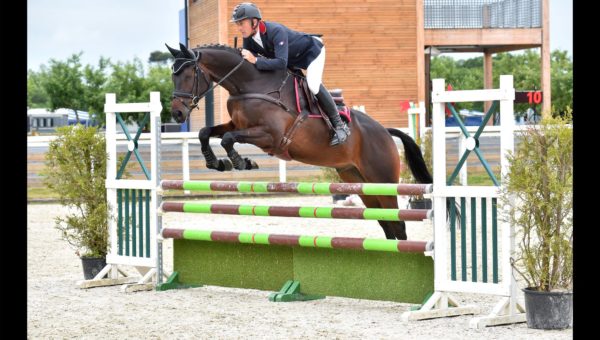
(76,171)
(419,202)
(538,195)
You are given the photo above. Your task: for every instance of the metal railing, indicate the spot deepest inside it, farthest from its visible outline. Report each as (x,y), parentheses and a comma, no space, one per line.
(483,13)
(172,141)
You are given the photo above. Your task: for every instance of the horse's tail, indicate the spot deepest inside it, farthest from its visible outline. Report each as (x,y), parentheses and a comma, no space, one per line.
(417,166)
(414,157)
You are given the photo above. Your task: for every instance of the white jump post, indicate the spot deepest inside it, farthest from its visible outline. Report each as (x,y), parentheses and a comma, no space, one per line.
(132,227)
(446,252)
(185,161)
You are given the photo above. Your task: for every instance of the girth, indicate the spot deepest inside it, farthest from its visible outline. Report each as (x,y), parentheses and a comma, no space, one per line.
(262,97)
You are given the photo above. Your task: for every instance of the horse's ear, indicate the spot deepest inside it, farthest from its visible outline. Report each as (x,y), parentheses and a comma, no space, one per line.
(191,53)
(173,51)
(187,52)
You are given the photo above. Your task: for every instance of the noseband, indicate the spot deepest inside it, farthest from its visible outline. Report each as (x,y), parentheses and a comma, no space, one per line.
(194,95)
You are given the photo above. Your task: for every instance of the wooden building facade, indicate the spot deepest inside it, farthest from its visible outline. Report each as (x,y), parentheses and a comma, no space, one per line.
(377,51)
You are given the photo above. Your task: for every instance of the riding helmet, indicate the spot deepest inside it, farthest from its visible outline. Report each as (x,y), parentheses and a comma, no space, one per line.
(245,10)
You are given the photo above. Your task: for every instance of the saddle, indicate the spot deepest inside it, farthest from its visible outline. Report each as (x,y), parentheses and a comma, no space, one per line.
(307,106)
(307,102)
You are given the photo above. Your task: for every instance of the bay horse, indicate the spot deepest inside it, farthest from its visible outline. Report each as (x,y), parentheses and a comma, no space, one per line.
(264,112)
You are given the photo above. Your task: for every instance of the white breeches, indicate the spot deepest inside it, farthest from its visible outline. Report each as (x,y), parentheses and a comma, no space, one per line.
(314,72)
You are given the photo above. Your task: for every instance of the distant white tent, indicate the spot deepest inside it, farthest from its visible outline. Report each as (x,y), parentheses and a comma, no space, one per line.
(84,118)
(83,115)
(45,118)
(39,112)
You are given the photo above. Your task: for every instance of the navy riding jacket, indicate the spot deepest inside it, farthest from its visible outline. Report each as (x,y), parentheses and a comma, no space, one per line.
(283,47)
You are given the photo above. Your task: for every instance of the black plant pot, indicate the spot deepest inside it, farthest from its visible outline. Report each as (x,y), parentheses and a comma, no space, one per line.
(92,266)
(548,310)
(423,203)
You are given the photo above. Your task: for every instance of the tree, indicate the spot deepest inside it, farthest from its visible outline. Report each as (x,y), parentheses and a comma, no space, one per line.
(132,85)
(36,93)
(94,87)
(63,83)
(562,82)
(525,67)
(70,85)
(127,82)
(461,74)
(159,79)
(159,57)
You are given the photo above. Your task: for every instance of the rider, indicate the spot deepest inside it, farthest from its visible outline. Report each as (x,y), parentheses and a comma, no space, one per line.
(272,46)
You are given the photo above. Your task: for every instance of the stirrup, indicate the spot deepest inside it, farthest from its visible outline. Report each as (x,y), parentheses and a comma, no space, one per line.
(336,140)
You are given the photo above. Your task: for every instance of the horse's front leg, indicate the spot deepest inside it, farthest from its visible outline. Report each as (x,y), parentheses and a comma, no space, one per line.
(257,136)
(212,162)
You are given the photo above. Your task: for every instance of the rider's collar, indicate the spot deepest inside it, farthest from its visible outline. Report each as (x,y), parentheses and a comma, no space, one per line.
(256,37)
(262,28)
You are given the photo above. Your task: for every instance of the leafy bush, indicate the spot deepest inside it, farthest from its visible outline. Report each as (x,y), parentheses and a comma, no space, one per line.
(329,175)
(76,171)
(538,191)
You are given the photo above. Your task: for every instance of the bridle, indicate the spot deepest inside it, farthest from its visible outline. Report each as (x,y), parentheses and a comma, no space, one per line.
(194,95)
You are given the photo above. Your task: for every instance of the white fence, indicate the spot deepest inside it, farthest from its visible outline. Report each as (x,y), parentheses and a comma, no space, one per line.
(185,139)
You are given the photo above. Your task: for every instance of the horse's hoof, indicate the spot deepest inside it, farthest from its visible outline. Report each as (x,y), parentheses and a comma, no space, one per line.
(240,165)
(250,164)
(225,164)
(222,164)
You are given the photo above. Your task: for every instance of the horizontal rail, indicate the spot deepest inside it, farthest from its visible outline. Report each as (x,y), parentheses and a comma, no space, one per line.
(472,96)
(299,240)
(300,187)
(192,137)
(308,212)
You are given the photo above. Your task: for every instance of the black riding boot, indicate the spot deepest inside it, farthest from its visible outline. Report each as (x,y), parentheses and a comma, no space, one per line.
(341,130)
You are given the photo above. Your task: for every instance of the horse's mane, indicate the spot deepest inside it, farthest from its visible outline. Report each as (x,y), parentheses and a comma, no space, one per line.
(221,47)
(183,60)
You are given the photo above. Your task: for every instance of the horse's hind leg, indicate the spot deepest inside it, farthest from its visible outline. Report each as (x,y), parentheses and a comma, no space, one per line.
(204,135)
(394,230)
(256,136)
(398,228)
(384,170)
(353,176)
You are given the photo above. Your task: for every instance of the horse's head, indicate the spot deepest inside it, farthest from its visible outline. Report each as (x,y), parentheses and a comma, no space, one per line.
(192,76)
(189,81)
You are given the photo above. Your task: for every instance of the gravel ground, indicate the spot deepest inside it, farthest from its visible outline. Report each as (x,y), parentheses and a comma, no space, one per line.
(57,309)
